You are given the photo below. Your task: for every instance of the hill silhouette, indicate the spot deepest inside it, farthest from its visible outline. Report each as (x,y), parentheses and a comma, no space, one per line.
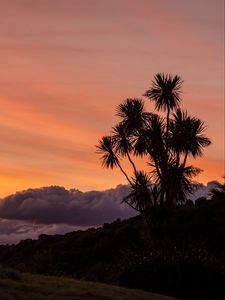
(188,263)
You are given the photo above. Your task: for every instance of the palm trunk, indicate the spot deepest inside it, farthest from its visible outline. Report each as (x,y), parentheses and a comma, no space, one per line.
(128,179)
(134,167)
(124,173)
(185,159)
(156,164)
(178,159)
(167,119)
(131,206)
(167,128)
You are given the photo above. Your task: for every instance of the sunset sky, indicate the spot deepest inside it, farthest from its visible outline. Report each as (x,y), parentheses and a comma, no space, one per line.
(67,64)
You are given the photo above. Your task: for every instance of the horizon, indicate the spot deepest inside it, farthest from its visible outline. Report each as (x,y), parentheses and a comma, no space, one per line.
(55,210)
(74,188)
(67,66)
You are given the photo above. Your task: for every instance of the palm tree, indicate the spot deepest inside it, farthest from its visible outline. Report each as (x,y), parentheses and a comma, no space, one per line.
(155,143)
(106,148)
(123,144)
(133,115)
(186,136)
(166,142)
(143,194)
(165,92)
(179,183)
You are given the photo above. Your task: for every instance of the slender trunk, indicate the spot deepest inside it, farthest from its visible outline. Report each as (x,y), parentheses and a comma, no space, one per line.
(132,206)
(185,159)
(158,170)
(167,129)
(156,164)
(167,120)
(128,179)
(124,173)
(177,159)
(167,187)
(134,167)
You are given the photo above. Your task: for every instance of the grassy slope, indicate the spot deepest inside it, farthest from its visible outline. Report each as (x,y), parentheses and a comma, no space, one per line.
(37,287)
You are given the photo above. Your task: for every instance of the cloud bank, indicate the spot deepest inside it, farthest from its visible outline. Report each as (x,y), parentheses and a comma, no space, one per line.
(56,210)
(56,205)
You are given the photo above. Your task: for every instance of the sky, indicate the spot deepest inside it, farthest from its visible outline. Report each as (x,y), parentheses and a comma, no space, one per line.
(66,66)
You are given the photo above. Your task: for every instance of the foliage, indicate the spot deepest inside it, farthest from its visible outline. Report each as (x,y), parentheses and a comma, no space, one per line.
(189,255)
(188,274)
(166,142)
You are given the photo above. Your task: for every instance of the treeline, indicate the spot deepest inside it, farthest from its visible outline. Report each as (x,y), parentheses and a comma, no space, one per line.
(188,259)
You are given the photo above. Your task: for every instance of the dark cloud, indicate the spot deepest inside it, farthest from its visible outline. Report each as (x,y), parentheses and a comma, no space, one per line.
(56,205)
(55,210)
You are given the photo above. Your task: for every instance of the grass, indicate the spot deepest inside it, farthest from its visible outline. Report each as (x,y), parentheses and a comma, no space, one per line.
(17,286)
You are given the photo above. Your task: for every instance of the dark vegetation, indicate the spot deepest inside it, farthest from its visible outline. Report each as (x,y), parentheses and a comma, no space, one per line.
(166,141)
(173,247)
(188,260)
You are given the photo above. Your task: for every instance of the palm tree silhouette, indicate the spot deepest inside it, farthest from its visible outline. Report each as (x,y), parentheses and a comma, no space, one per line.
(165,92)
(140,195)
(186,136)
(133,114)
(106,148)
(179,183)
(123,144)
(165,142)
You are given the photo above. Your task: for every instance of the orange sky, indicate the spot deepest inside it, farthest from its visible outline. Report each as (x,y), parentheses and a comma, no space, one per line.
(66,65)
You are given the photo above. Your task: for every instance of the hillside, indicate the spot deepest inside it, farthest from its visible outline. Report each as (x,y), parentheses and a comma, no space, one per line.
(189,260)
(16,286)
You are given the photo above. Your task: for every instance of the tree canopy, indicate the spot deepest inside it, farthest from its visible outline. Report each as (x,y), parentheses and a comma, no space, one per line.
(166,140)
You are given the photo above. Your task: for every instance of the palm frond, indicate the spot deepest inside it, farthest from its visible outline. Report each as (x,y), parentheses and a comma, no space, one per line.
(165,91)
(140,196)
(186,134)
(106,148)
(180,182)
(121,139)
(133,114)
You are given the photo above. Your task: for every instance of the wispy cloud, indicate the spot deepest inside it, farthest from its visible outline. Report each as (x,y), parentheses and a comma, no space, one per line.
(66,65)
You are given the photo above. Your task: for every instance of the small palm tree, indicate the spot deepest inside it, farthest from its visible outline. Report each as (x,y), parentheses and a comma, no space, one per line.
(123,144)
(106,148)
(180,183)
(187,135)
(143,194)
(155,141)
(165,92)
(132,112)
(165,142)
